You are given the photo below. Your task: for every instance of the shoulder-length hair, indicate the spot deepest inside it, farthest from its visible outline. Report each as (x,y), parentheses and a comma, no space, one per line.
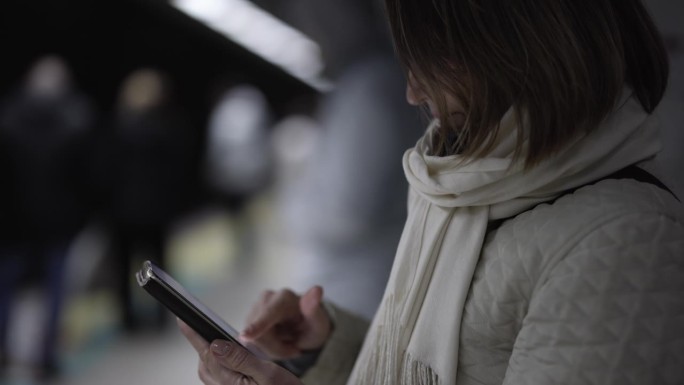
(560,64)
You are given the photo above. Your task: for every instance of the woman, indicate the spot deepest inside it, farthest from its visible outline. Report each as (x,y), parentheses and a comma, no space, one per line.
(535,250)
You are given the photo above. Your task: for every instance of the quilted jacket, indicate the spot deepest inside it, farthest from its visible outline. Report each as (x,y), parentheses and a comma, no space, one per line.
(588,289)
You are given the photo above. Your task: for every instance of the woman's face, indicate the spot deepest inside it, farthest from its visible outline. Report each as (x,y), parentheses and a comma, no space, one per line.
(416,96)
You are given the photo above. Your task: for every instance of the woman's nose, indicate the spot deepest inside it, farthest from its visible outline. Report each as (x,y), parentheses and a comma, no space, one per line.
(415,95)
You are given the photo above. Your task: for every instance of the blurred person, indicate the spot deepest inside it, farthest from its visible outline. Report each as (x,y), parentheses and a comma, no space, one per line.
(146,172)
(45,128)
(238,163)
(537,247)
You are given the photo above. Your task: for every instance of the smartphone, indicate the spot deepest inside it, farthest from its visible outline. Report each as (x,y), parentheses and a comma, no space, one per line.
(193,312)
(183,304)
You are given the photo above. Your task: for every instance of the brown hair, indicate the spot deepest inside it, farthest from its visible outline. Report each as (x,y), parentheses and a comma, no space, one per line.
(561,64)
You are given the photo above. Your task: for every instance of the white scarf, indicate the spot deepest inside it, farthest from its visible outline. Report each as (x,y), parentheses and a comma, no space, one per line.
(414,338)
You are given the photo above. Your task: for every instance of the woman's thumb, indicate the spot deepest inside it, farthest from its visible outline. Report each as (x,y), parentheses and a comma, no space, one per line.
(311,301)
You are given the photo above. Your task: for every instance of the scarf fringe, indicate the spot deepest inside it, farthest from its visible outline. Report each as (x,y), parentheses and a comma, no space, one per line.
(382,366)
(387,365)
(416,372)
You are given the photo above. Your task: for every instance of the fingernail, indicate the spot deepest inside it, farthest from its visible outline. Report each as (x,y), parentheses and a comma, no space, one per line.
(220,348)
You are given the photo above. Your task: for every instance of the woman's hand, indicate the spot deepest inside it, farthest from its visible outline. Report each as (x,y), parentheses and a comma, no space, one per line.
(284,325)
(227,363)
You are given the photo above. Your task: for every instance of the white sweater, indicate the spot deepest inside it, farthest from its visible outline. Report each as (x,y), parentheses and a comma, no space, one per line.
(586,290)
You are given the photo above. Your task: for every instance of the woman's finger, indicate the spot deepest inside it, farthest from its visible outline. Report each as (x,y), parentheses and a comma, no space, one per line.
(216,371)
(311,301)
(274,344)
(317,325)
(230,356)
(276,309)
(258,308)
(204,375)
(231,361)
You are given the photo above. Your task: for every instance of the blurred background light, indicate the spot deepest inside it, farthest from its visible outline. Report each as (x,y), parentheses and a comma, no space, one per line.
(263,34)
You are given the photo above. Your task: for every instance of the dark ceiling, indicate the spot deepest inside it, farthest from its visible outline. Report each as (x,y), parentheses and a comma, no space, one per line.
(104,40)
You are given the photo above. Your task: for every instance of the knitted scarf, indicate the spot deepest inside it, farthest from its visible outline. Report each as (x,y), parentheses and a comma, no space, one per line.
(414,337)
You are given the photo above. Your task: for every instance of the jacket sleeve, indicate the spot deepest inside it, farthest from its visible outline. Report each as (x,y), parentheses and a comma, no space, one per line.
(336,360)
(610,312)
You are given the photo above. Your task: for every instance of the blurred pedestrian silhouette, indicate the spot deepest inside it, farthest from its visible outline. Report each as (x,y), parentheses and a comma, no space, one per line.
(44,131)
(238,160)
(145,169)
